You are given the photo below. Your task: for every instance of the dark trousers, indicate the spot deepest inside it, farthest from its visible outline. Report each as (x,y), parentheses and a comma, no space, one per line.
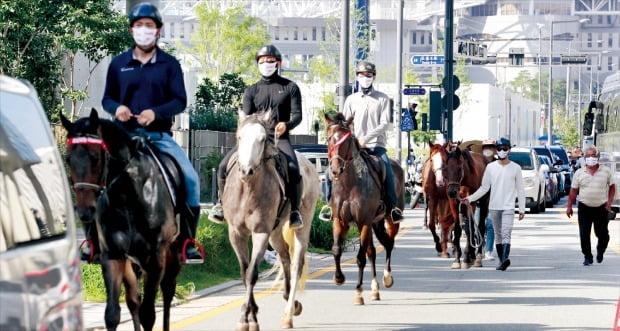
(588,216)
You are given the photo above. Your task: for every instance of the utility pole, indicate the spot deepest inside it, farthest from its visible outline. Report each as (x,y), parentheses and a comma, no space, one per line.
(343,89)
(399,79)
(448,67)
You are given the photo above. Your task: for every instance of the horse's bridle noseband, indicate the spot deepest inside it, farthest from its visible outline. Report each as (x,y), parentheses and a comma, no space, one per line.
(88,140)
(332,148)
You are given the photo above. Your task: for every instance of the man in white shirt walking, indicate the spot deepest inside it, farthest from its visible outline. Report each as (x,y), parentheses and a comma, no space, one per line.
(503,178)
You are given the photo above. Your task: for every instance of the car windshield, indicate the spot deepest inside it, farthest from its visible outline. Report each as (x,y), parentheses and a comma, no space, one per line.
(523,159)
(560,154)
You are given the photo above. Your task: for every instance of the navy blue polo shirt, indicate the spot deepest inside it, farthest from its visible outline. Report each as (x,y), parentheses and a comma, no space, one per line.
(157,84)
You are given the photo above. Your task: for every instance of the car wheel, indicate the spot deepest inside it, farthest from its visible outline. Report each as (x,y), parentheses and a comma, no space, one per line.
(543,205)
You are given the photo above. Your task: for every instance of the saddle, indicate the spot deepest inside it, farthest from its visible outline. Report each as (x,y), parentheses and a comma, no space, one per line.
(376,167)
(170,169)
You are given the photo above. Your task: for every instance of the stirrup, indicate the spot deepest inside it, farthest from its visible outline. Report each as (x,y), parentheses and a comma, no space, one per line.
(325,214)
(216,214)
(199,248)
(396,215)
(87,254)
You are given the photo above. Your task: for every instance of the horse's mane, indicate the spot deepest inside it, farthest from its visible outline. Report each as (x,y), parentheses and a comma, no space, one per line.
(116,137)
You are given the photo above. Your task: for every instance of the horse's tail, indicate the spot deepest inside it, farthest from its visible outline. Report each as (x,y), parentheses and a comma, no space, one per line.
(289,237)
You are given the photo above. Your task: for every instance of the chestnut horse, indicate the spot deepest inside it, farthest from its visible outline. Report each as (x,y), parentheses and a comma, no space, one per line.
(357,199)
(255,206)
(463,173)
(439,208)
(134,215)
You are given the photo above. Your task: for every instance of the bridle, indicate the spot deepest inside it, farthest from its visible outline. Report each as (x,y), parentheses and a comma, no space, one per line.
(89,140)
(460,178)
(332,148)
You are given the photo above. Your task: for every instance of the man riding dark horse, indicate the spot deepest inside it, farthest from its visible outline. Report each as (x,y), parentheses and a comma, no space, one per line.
(283,97)
(144,90)
(370,110)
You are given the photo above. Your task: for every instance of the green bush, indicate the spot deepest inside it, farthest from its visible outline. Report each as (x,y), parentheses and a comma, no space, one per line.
(321,233)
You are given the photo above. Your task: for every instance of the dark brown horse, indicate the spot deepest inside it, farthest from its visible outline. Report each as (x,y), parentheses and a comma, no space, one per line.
(463,173)
(357,199)
(134,214)
(255,206)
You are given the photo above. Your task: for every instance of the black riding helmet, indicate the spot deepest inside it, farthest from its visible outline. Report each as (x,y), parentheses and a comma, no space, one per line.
(365,66)
(269,50)
(145,10)
(503,142)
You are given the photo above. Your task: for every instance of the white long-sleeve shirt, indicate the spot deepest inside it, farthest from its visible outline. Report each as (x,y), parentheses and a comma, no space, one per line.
(505,183)
(371,117)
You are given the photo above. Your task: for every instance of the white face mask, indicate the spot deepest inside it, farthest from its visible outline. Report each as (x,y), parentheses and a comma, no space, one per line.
(267,69)
(487,152)
(144,36)
(591,161)
(365,82)
(502,154)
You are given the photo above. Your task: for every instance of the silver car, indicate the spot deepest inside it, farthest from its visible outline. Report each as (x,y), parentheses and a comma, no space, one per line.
(40,283)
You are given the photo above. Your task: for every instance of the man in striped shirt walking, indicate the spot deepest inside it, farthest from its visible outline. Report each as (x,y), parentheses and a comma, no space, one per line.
(594,189)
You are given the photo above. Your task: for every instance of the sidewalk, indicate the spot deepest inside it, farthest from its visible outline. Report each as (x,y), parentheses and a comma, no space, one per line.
(93,312)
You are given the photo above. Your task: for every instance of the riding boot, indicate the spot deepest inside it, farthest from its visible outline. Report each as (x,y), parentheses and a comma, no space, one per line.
(506,261)
(216,214)
(192,253)
(295,191)
(499,248)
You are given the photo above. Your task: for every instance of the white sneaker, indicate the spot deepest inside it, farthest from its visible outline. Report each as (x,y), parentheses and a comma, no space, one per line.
(489,256)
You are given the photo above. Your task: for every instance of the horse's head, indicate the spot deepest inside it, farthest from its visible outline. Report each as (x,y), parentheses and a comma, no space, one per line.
(438,157)
(86,159)
(340,143)
(254,141)
(454,172)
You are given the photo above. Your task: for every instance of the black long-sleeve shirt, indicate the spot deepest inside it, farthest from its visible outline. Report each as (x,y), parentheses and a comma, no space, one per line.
(278,93)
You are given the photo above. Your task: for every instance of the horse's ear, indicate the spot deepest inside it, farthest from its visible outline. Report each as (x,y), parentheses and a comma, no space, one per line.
(65,122)
(93,119)
(348,121)
(267,115)
(326,118)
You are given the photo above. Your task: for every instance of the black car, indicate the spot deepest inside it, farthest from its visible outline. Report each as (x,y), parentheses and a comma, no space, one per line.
(560,153)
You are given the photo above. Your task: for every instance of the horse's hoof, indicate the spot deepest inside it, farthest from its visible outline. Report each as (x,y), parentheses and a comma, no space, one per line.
(287,323)
(465,265)
(339,280)
(374,296)
(456,265)
(242,327)
(478,264)
(445,255)
(388,281)
(298,308)
(253,326)
(358,300)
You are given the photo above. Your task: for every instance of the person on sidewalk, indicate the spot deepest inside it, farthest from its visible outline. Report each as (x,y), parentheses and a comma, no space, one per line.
(594,189)
(370,110)
(144,90)
(489,152)
(503,178)
(282,95)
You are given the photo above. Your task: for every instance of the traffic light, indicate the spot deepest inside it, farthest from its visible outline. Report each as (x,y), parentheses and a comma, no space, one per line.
(424,121)
(588,122)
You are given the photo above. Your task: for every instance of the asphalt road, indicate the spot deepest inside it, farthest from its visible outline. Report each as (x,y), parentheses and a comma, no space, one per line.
(545,288)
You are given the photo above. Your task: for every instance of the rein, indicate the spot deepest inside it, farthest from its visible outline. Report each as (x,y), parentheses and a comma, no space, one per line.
(475,240)
(88,140)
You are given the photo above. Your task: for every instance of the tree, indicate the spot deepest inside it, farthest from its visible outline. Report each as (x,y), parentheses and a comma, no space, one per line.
(38,35)
(226,41)
(217,104)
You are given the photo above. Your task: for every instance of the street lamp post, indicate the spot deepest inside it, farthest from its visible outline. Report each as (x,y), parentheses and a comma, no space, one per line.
(550,129)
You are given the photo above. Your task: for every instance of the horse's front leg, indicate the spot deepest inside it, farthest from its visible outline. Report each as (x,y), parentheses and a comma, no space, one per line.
(371,254)
(239,244)
(259,245)
(132,293)
(339,232)
(168,283)
(365,241)
(456,264)
(281,247)
(152,275)
(432,211)
(112,272)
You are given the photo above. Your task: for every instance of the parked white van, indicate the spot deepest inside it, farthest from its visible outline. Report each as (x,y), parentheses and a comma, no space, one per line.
(40,283)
